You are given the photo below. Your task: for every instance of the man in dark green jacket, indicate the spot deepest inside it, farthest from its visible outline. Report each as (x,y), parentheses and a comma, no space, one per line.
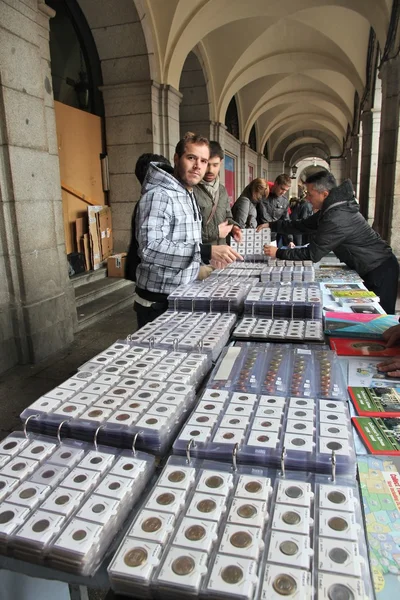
(213,201)
(339,227)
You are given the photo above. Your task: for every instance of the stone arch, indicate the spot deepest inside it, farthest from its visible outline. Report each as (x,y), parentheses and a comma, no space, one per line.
(194,110)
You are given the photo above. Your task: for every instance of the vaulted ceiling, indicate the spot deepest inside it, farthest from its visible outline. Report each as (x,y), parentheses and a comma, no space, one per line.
(294,66)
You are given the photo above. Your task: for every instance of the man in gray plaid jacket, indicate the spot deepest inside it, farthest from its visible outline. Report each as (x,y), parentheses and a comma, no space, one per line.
(168,229)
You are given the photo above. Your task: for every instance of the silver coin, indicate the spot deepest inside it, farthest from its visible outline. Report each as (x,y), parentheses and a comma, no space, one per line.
(338,555)
(294,492)
(336,497)
(285,585)
(291,518)
(338,591)
(289,548)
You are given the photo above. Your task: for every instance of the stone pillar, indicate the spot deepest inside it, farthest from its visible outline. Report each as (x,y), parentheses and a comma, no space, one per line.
(275,168)
(167,109)
(36,299)
(369,162)
(388,178)
(338,169)
(354,156)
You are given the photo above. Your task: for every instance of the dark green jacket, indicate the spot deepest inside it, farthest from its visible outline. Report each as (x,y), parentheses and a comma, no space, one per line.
(223,213)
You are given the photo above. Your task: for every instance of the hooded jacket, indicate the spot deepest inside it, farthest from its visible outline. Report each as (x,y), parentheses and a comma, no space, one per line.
(222,213)
(168,233)
(338,227)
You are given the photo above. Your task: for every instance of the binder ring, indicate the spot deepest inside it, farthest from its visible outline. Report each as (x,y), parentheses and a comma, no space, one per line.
(26,423)
(188,447)
(234,456)
(283,456)
(333,460)
(96,433)
(135,437)
(59,429)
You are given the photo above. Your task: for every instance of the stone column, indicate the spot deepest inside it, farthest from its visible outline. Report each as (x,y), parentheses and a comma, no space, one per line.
(37,305)
(338,168)
(388,178)
(275,168)
(369,162)
(354,150)
(167,109)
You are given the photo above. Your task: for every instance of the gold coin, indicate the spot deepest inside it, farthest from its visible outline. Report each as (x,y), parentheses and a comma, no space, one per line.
(183,565)
(152,524)
(338,524)
(176,476)
(195,533)
(214,482)
(336,497)
(246,511)
(291,518)
(165,499)
(241,539)
(135,557)
(289,548)
(284,585)
(253,487)
(206,506)
(232,574)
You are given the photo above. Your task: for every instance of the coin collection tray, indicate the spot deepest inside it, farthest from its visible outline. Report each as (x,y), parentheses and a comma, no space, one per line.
(61,504)
(262,428)
(239,269)
(337,274)
(281,370)
(187,331)
(210,295)
(279,262)
(252,242)
(296,273)
(208,530)
(279,329)
(291,300)
(143,391)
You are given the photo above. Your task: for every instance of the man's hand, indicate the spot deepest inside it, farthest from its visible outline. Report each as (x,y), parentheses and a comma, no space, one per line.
(391,366)
(392,336)
(270,250)
(224,229)
(263,226)
(237,233)
(204,272)
(221,256)
(291,245)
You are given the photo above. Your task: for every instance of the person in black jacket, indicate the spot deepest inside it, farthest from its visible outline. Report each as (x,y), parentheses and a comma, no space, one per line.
(300,208)
(338,226)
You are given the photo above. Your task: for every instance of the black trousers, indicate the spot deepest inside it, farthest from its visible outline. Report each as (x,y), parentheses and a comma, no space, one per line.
(384,282)
(146,314)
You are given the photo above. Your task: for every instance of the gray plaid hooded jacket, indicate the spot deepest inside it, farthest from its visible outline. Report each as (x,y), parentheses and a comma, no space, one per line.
(168,231)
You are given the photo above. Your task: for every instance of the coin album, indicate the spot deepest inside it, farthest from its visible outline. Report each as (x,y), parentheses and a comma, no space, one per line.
(290,300)
(187,331)
(279,329)
(252,243)
(264,430)
(62,502)
(211,530)
(280,370)
(124,390)
(296,273)
(210,295)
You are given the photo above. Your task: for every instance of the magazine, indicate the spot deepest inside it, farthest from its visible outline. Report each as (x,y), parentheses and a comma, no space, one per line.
(358,325)
(381,435)
(376,401)
(357,347)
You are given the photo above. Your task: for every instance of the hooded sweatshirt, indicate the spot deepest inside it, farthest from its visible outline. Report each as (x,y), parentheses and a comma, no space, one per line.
(168,233)
(338,227)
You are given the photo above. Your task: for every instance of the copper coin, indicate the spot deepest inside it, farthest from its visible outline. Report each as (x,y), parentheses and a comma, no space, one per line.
(291,518)
(176,476)
(152,524)
(241,539)
(206,506)
(338,524)
(228,436)
(232,574)
(338,555)
(165,499)
(338,591)
(214,482)
(263,438)
(195,533)
(289,548)
(247,511)
(183,565)
(284,585)
(253,487)
(135,557)
(334,446)
(336,497)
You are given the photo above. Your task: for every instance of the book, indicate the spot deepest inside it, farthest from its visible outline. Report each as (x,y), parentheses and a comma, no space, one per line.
(358,325)
(357,347)
(353,294)
(380,492)
(375,401)
(364,372)
(381,435)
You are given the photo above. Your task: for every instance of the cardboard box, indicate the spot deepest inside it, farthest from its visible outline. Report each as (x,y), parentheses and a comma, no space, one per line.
(100,231)
(116,265)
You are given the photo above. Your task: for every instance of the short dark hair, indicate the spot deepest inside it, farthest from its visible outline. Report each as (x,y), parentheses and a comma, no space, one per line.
(190,138)
(282,179)
(216,150)
(143,162)
(323,181)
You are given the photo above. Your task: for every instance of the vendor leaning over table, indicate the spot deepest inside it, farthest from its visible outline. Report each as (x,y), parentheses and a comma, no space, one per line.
(338,226)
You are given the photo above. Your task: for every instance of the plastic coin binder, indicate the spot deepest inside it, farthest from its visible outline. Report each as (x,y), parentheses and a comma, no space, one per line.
(248,533)
(211,295)
(284,301)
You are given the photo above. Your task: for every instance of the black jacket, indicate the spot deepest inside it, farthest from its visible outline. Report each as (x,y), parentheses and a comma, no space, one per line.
(338,227)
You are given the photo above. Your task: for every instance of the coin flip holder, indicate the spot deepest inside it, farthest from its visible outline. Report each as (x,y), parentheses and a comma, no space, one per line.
(74,491)
(211,295)
(253,328)
(244,551)
(295,273)
(252,242)
(284,301)
(336,587)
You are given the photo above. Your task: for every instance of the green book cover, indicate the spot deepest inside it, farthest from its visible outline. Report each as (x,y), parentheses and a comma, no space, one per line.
(353,294)
(380,435)
(375,401)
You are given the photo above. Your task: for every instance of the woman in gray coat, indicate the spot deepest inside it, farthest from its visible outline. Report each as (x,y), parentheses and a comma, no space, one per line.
(244,210)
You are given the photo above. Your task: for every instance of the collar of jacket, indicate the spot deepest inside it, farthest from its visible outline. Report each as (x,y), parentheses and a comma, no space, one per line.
(156,176)
(342,193)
